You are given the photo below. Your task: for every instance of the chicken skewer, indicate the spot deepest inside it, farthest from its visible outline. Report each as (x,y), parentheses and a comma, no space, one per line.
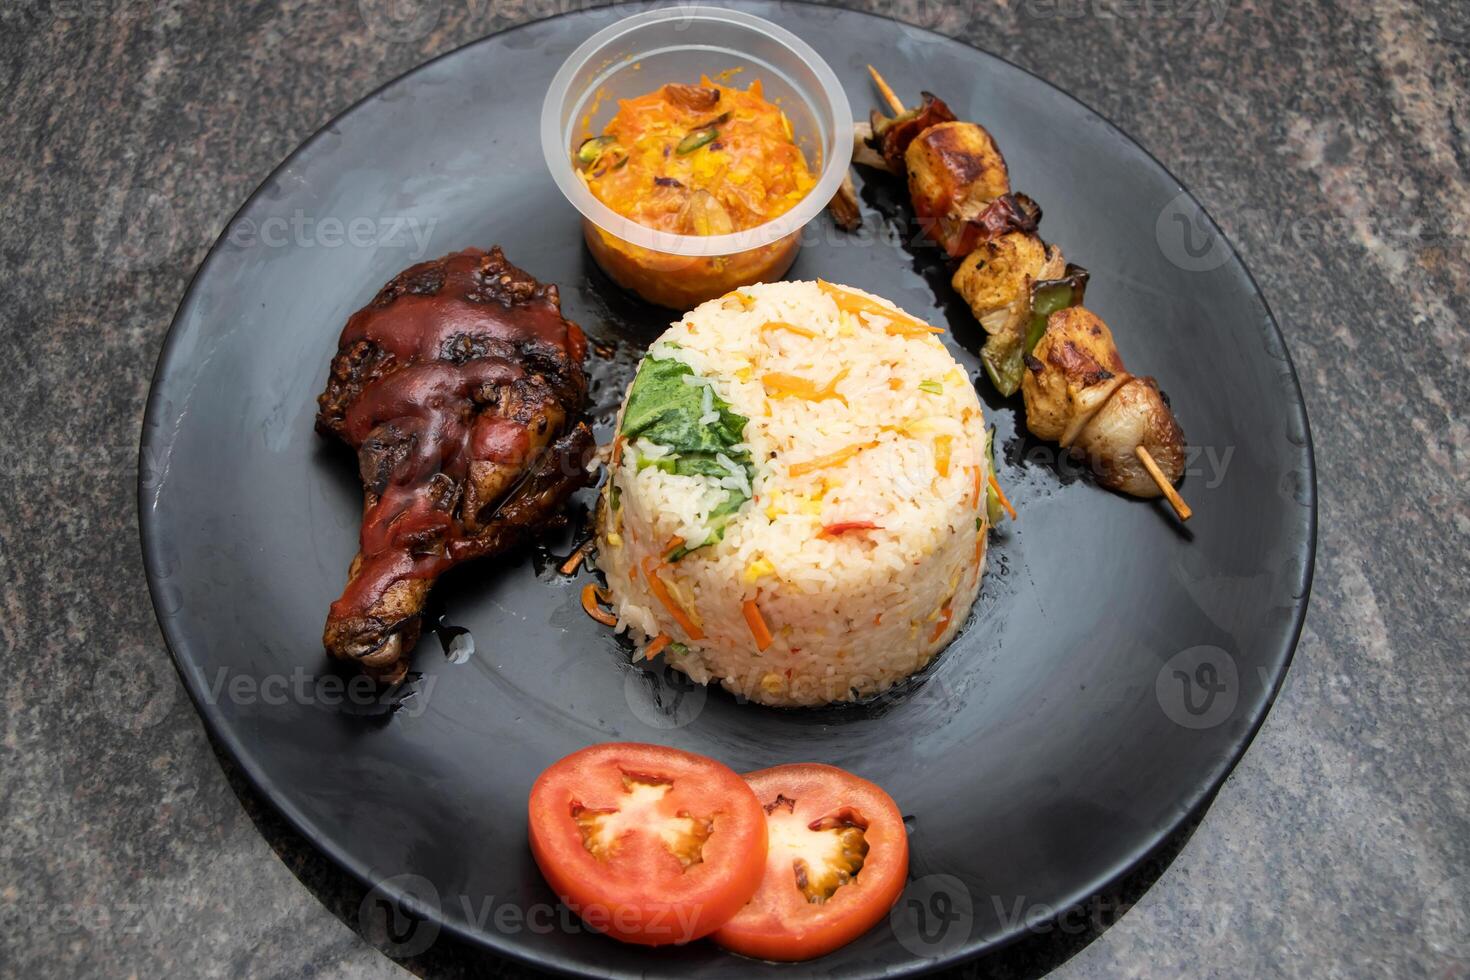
(1029,301)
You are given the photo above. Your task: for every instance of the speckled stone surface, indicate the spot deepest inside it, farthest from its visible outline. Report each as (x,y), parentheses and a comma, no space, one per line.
(1328,140)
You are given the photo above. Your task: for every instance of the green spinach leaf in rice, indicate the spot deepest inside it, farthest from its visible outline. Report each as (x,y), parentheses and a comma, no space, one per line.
(673,408)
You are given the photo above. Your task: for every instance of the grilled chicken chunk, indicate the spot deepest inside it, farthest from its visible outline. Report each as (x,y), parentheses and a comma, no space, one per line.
(955,170)
(1070,373)
(996,279)
(460,387)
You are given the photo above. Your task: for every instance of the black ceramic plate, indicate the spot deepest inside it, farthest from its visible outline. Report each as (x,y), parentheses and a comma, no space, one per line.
(1113,671)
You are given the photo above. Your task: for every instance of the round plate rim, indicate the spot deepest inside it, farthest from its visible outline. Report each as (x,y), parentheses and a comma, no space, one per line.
(152,437)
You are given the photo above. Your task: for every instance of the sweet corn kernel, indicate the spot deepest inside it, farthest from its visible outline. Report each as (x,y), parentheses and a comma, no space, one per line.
(758,569)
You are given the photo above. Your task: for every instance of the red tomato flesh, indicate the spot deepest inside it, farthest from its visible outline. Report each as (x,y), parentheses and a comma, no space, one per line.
(648,844)
(837,860)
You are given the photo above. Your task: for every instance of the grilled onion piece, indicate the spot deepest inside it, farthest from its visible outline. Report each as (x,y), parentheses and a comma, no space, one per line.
(891,137)
(1136,415)
(1078,394)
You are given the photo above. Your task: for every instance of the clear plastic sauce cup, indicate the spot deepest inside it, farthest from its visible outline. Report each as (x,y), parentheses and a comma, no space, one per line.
(641,53)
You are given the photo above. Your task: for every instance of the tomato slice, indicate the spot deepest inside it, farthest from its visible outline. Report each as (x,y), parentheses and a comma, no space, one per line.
(648,844)
(837,861)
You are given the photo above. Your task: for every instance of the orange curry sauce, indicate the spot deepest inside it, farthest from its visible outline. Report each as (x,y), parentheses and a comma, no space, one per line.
(700,160)
(697,160)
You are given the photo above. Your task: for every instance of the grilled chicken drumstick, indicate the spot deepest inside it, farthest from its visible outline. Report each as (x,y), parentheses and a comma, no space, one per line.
(1028,299)
(460,387)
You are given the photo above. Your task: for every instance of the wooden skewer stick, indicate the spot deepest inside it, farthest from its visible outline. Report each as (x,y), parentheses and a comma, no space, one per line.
(894,102)
(1180,507)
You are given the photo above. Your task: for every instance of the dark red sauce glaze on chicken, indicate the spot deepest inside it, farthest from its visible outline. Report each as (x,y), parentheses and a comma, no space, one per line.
(460,386)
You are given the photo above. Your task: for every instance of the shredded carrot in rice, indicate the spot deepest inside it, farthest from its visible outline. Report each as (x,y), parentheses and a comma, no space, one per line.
(975,493)
(1001,495)
(945,615)
(757,624)
(780,385)
(617,453)
(575,559)
(656,646)
(850,302)
(789,328)
(941,454)
(831,459)
(673,544)
(661,593)
(896,329)
(842,527)
(592,599)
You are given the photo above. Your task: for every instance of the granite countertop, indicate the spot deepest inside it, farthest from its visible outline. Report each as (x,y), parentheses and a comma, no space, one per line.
(1328,140)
